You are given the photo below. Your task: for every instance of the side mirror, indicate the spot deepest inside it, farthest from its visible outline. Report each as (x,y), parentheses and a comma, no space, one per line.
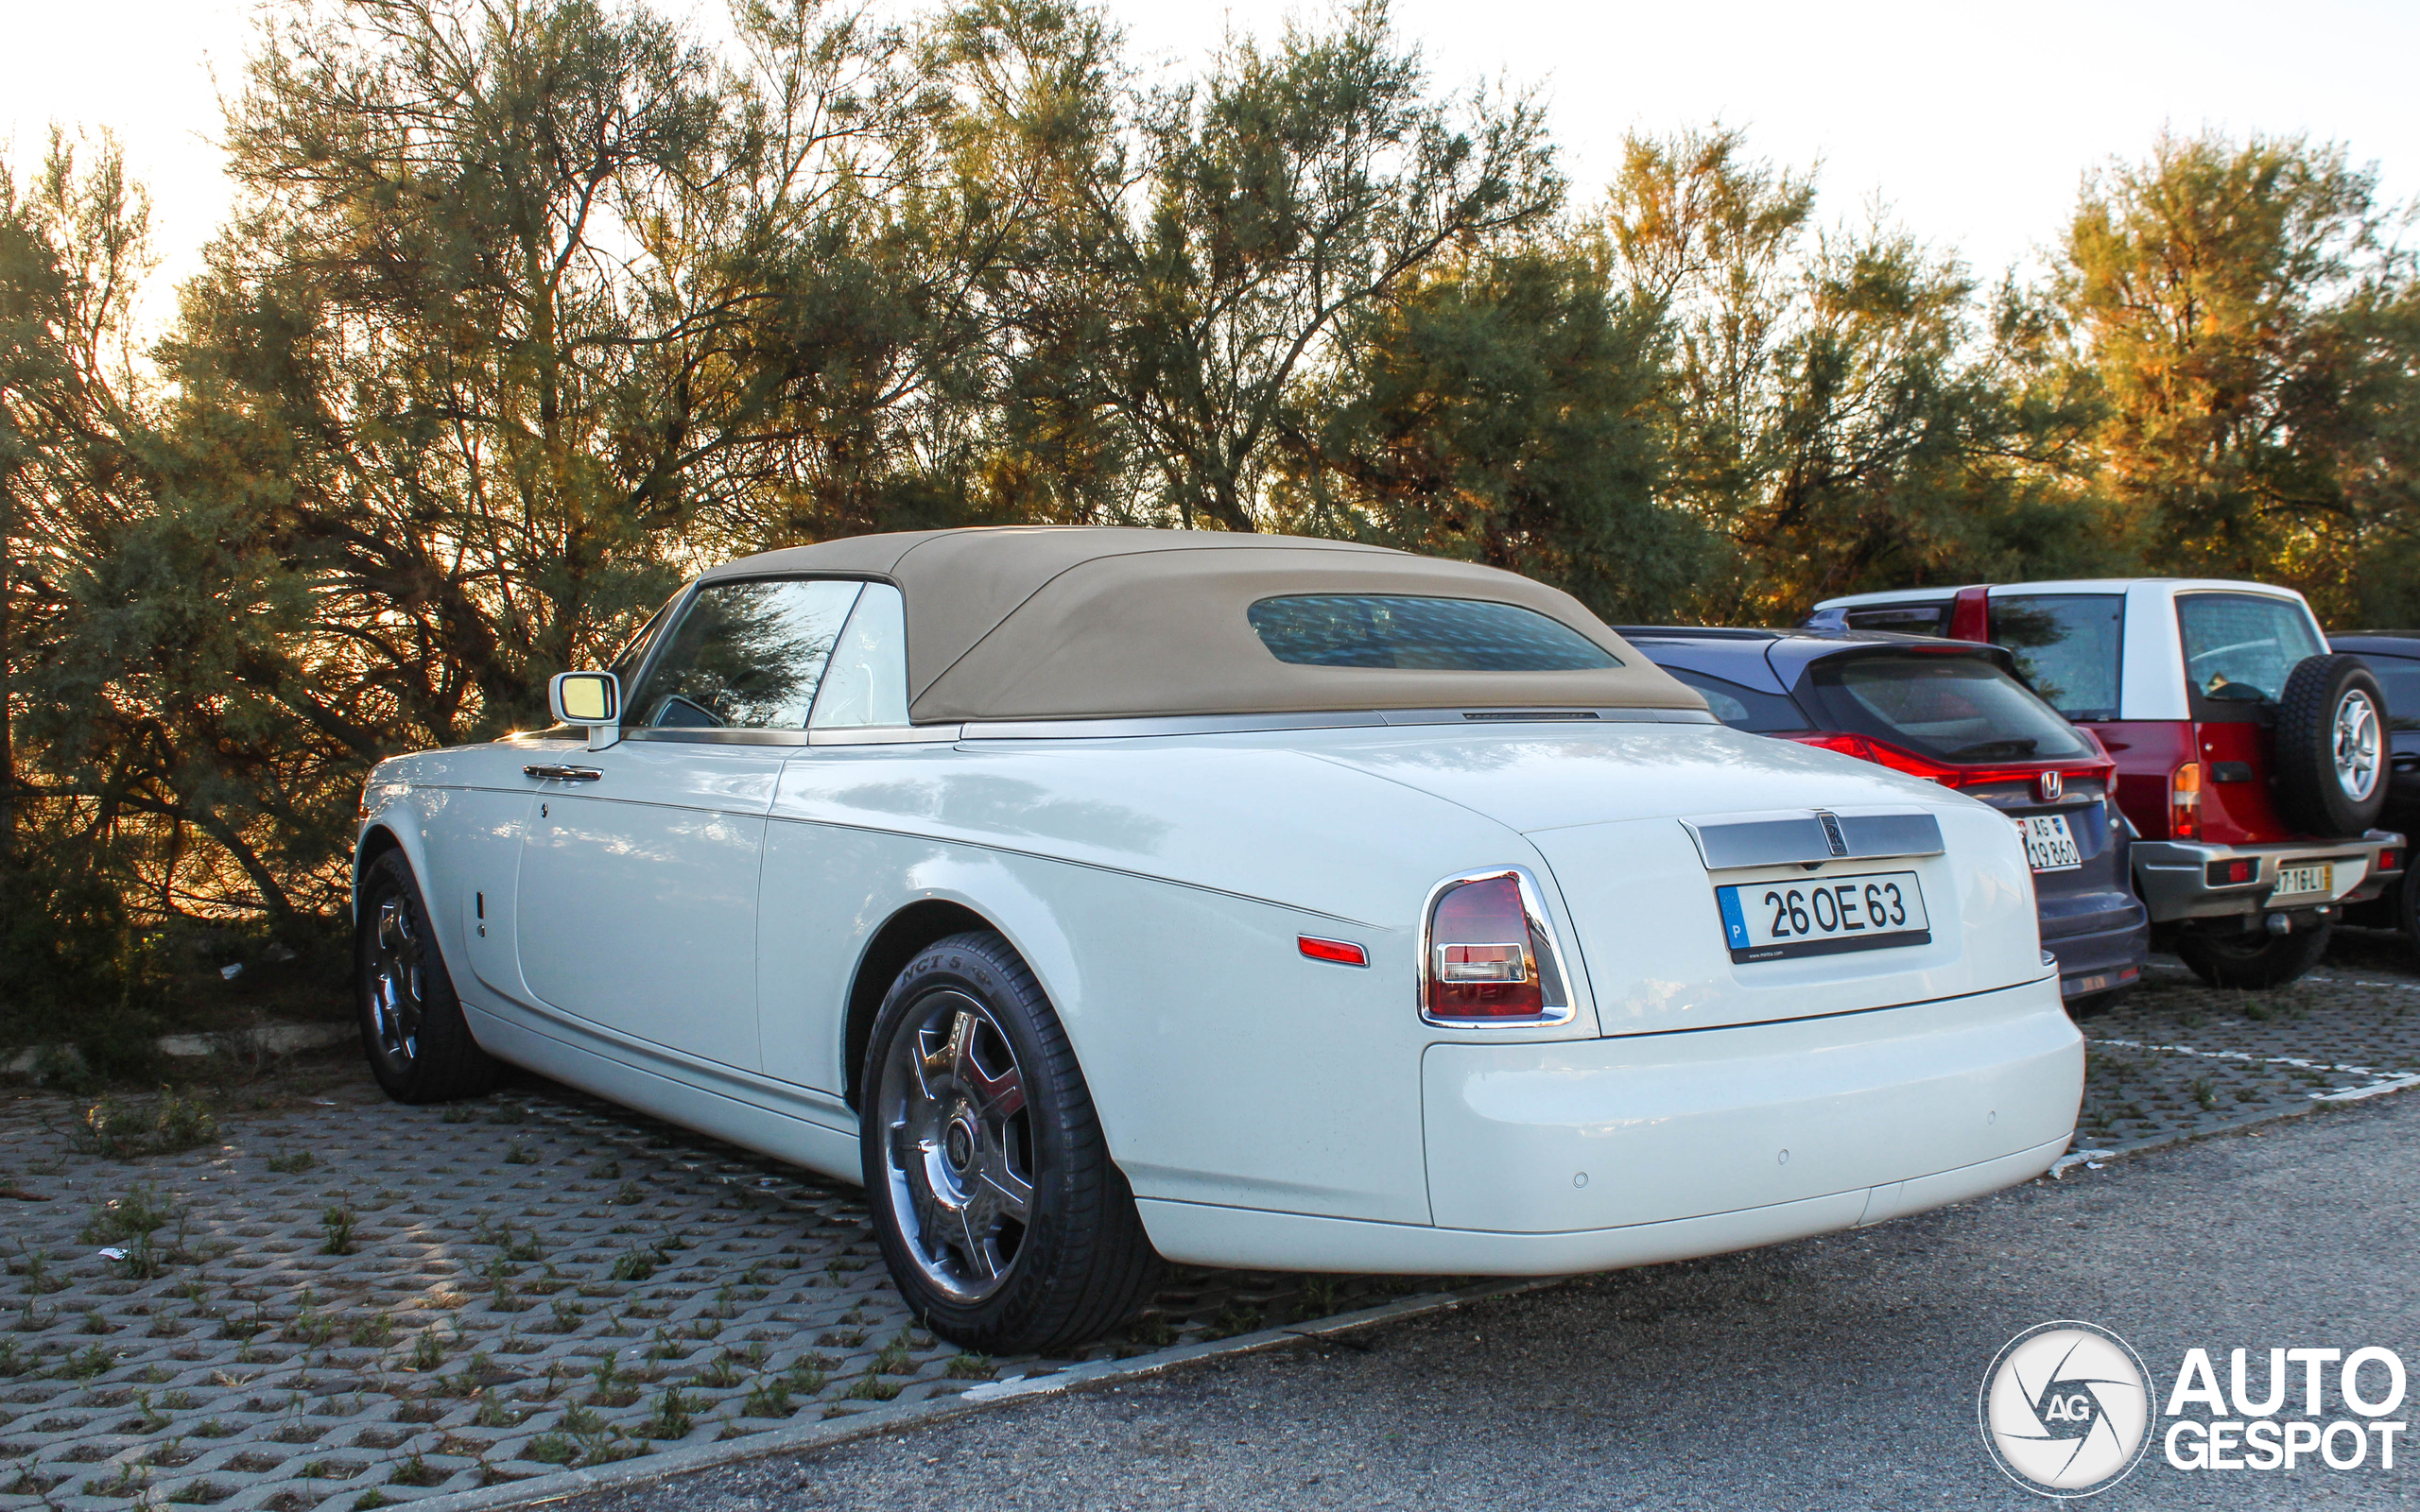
(590,699)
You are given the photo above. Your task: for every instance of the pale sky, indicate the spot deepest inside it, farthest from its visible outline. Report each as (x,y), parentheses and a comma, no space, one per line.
(1975,124)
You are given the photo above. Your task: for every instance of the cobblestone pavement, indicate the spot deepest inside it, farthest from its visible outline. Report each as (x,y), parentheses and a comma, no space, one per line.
(353,1303)
(2177,1060)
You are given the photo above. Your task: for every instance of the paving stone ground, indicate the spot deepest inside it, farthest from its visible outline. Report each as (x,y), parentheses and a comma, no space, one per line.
(351,1303)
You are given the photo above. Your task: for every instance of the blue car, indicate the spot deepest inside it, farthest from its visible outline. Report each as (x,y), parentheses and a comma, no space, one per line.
(1955,713)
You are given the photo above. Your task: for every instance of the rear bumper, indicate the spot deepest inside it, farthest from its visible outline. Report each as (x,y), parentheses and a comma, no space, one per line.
(2174,876)
(1586,1155)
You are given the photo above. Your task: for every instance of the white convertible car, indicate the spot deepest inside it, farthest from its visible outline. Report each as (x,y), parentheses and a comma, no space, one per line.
(1100,894)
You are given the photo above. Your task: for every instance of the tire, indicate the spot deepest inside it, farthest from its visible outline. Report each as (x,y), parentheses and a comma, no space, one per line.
(1002,1217)
(2251,960)
(412,1029)
(2331,747)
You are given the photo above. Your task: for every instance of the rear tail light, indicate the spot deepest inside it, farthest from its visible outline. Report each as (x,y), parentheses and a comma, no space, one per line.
(1487,954)
(2389,861)
(2184,802)
(1899,758)
(2232,873)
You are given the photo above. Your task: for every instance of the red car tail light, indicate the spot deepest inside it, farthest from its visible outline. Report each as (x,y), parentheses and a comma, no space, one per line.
(2184,802)
(1899,758)
(1487,956)
(2389,861)
(2231,873)
(1341,952)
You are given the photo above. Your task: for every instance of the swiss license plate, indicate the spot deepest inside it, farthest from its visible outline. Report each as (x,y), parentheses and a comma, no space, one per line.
(2049,845)
(2294,881)
(1773,921)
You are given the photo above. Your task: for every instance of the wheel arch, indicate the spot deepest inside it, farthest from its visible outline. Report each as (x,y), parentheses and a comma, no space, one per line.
(376,841)
(905,932)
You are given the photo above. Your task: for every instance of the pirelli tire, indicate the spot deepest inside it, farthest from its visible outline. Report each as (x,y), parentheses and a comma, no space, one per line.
(2332,747)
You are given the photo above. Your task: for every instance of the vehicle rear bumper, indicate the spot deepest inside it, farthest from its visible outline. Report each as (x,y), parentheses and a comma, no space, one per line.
(2101,960)
(1586,1155)
(2174,876)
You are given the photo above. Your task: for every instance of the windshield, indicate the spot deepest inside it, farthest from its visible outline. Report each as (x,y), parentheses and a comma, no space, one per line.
(1432,634)
(1960,709)
(2067,646)
(2240,648)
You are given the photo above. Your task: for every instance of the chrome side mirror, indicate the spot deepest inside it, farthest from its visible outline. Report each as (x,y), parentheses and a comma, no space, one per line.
(590,699)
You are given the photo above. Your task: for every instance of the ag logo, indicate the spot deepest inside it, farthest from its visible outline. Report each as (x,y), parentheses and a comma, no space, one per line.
(2065,1409)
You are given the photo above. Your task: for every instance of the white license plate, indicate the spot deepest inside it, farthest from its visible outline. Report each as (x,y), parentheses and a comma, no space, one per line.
(2295,880)
(2049,845)
(1771,920)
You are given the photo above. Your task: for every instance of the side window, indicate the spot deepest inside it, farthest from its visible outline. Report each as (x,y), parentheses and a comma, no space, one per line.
(2239,648)
(866,684)
(1906,619)
(1742,708)
(744,655)
(2067,645)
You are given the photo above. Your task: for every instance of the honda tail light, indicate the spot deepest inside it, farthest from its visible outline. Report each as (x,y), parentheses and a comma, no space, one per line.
(1900,759)
(2184,802)
(1487,954)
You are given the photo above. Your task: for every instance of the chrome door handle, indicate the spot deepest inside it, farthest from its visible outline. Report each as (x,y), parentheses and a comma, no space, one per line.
(564,774)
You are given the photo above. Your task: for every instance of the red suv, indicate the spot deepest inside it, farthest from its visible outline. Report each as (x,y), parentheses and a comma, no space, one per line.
(2252,761)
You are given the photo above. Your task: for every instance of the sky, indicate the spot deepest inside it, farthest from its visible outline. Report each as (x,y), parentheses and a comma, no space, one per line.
(1971,125)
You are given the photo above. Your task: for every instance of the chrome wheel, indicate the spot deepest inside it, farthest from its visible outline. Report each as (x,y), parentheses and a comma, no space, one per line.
(957,1147)
(398,1001)
(2356,745)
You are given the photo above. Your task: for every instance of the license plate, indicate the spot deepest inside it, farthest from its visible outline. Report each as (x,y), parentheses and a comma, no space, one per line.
(2294,881)
(1773,921)
(2049,845)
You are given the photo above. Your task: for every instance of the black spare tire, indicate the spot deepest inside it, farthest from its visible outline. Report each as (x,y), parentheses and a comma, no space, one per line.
(2331,747)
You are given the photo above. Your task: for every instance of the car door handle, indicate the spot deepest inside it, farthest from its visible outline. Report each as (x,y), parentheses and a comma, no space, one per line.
(562,774)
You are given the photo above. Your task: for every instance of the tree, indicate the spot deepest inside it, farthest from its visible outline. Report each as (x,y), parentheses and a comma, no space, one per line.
(1211,251)
(1834,406)
(1501,409)
(2253,329)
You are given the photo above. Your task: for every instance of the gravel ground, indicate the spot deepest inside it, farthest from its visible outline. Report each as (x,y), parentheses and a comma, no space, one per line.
(1834,1373)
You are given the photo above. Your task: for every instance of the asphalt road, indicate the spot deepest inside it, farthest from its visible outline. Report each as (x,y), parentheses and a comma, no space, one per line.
(1838,1373)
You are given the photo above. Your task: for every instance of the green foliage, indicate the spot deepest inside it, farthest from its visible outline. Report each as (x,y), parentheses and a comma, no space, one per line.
(529,308)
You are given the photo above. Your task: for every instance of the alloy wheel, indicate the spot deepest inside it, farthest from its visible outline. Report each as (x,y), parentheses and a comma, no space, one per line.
(2356,745)
(957,1144)
(397,999)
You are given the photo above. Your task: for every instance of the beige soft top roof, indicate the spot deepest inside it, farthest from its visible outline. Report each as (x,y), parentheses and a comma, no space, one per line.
(1045,622)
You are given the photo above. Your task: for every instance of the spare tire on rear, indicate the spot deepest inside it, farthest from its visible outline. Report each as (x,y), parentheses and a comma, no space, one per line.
(2331,747)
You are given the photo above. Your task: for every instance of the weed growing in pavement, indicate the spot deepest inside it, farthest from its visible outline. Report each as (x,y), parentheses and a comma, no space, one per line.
(336,1224)
(518,1154)
(492,1412)
(293,1162)
(2206,1093)
(892,1358)
(871,1387)
(614,1388)
(121,1131)
(86,1364)
(428,1351)
(34,1265)
(417,1471)
(630,1196)
(1233,1319)
(768,1397)
(808,1374)
(459,1114)
(605,1171)
(130,1480)
(552,1448)
(964,1367)
(508,1113)
(372,1332)
(671,1417)
(371,1500)
(1152,1328)
(197,1493)
(636,1265)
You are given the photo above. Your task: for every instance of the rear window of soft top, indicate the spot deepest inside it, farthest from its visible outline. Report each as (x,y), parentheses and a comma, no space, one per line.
(1427,634)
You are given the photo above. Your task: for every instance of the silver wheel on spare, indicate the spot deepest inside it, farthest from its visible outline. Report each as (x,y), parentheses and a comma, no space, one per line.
(1000,1215)
(2331,747)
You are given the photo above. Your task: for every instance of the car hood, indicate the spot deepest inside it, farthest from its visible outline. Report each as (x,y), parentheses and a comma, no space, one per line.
(1600,774)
